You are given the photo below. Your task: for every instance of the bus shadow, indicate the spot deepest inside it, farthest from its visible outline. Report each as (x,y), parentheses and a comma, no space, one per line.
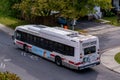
(87,70)
(83,71)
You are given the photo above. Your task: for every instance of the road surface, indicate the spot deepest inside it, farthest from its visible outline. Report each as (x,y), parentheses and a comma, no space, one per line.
(31,67)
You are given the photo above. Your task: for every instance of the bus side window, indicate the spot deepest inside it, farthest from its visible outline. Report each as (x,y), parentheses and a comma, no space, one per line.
(46,44)
(42,43)
(34,40)
(61,48)
(37,41)
(69,50)
(55,47)
(24,35)
(28,38)
(50,45)
(66,50)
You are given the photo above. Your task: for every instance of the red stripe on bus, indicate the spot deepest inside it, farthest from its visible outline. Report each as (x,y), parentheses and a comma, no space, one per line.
(63,58)
(52,55)
(78,63)
(71,62)
(29,46)
(20,42)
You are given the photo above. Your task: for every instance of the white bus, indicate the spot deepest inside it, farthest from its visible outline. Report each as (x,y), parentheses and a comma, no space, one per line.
(63,46)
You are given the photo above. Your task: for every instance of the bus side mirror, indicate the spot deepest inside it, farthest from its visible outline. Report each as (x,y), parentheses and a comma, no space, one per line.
(13,37)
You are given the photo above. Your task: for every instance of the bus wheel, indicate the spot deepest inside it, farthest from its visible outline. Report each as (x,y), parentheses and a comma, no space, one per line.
(58,61)
(25,48)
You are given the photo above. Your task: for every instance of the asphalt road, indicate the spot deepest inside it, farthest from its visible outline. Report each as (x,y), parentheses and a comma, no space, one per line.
(109,40)
(31,67)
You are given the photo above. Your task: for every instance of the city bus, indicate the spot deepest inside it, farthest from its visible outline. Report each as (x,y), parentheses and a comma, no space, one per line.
(62,46)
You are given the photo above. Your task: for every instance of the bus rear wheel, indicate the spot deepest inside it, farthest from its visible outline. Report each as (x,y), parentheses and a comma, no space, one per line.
(58,61)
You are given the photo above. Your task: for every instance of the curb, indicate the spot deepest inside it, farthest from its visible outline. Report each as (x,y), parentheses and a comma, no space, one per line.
(107,59)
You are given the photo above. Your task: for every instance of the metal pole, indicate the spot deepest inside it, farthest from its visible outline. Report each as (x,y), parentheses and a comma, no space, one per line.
(61,25)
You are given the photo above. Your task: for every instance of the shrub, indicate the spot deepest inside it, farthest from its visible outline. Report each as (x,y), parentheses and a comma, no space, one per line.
(8,76)
(108,13)
(117,57)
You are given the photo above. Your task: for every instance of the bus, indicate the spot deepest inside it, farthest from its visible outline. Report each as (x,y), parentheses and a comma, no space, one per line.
(62,46)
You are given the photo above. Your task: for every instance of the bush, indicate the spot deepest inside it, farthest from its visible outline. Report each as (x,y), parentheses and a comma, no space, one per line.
(108,13)
(117,57)
(8,76)
(6,7)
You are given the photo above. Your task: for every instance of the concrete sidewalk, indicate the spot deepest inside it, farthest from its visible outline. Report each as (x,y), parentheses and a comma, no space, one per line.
(107,59)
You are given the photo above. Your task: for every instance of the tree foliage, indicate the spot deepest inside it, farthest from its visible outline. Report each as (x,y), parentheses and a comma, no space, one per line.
(67,8)
(6,7)
(8,76)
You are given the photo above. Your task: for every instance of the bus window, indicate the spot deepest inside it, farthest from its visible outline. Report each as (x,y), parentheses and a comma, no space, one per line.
(46,44)
(51,45)
(69,50)
(60,48)
(37,41)
(89,50)
(42,43)
(24,35)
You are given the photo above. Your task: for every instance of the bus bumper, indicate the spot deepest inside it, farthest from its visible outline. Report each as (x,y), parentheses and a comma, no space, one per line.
(87,66)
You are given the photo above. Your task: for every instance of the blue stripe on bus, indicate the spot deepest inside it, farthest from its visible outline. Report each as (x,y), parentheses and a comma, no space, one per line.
(40,51)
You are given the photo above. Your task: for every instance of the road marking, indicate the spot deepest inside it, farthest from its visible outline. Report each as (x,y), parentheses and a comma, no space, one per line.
(23,53)
(2,65)
(33,57)
(6,60)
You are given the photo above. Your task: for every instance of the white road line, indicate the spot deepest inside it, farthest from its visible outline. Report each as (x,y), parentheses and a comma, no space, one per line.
(2,65)
(23,53)
(6,60)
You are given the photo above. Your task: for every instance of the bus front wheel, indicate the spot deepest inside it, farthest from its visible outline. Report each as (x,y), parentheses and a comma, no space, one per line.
(58,61)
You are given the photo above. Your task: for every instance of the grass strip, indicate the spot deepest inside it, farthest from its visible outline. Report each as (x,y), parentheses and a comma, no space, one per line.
(11,22)
(117,57)
(113,20)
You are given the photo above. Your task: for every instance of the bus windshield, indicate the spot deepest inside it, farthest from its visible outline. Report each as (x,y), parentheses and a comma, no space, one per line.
(89,50)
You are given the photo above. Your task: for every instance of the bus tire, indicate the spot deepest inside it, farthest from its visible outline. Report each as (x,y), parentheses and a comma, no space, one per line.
(58,61)
(25,48)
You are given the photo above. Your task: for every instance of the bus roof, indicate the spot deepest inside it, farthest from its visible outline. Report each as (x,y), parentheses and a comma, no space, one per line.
(56,31)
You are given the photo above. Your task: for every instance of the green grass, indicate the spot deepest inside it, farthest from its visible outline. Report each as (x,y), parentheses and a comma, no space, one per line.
(117,57)
(113,20)
(11,22)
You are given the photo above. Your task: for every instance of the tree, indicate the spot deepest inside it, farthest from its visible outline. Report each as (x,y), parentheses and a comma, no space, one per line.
(67,8)
(6,7)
